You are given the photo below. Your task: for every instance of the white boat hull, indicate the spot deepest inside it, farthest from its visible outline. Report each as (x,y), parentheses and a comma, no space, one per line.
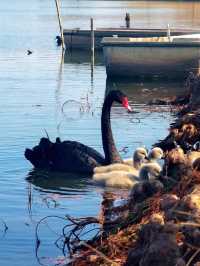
(164,60)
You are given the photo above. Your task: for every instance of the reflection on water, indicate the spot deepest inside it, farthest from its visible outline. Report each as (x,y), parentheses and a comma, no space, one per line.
(142,13)
(61,183)
(144,91)
(83,57)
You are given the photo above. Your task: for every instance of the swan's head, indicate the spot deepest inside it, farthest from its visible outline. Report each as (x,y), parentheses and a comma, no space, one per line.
(150,171)
(37,155)
(156,154)
(121,98)
(140,154)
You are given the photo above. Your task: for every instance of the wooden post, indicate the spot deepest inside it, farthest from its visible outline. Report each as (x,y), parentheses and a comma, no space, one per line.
(127,19)
(60,23)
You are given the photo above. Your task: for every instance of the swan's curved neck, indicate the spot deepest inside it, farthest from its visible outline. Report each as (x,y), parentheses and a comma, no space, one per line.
(110,150)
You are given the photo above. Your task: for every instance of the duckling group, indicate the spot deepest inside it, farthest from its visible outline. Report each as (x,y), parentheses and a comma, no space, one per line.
(143,166)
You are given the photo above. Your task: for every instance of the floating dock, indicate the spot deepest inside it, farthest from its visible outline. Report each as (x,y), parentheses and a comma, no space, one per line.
(81,39)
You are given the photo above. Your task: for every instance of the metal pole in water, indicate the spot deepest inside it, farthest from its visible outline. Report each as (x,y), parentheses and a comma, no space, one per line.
(168,32)
(92,45)
(92,34)
(60,23)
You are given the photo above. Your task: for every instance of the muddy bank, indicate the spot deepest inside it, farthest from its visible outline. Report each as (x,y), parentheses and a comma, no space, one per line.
(159,223)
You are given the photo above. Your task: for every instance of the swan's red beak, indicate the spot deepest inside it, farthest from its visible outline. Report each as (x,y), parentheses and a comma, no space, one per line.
(125,104)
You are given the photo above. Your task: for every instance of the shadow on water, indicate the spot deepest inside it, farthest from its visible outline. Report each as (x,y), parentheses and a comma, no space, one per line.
(61,183)
(144,91)
(81,57)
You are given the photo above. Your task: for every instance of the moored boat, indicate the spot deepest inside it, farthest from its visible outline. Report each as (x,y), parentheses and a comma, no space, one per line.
(81,39)
(172,57)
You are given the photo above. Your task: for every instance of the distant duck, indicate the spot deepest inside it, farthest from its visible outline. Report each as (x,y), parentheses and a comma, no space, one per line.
(139,156)
(58,40)
(29,52)
(124,179)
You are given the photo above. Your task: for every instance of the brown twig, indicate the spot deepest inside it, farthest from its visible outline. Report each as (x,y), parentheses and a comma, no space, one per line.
(193,256)
(100,254)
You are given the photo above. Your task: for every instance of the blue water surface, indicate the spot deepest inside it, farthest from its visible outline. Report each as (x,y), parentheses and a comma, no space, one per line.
(39,95)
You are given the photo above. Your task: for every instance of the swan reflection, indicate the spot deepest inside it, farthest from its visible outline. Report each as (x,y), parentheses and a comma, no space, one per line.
(61,183)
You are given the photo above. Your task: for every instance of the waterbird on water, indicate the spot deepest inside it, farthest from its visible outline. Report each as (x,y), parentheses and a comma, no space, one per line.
(140,154)
(124,179)
(73,156)
(29,52)
(140,157)
(58,40)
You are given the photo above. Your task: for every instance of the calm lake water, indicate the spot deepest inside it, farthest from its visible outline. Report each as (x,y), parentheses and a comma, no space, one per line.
(39,94)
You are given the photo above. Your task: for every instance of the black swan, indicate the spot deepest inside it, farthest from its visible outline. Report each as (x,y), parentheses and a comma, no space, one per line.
(73,156)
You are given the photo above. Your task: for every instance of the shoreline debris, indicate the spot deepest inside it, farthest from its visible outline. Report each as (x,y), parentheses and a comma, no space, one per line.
(159,224)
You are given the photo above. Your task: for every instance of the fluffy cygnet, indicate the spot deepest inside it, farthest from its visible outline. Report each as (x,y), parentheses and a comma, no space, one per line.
(138,158)
(125,179)
(121,179)
(150,171)
(155,154)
